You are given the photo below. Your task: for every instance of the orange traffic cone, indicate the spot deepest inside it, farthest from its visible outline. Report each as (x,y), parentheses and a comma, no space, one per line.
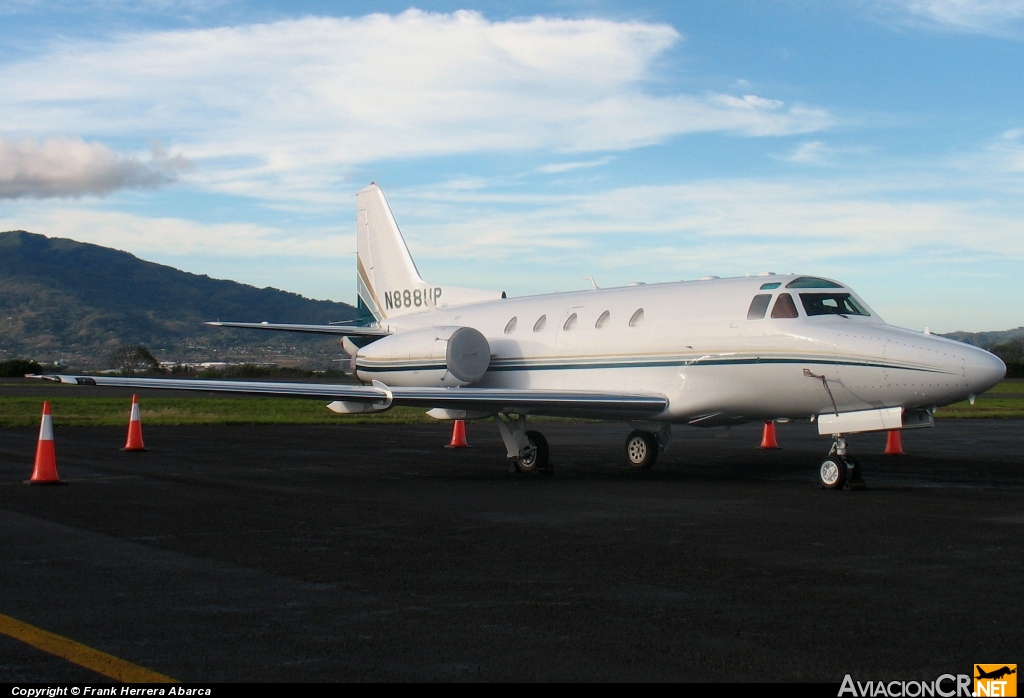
(458,435)
(45,470)
(894,443)
(134,442)
(768,439)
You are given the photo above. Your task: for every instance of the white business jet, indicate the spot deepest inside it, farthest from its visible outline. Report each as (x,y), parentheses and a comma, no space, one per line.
(710,352)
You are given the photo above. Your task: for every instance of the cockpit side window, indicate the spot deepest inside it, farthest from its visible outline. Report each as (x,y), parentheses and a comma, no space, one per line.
(784,307)
(759,306)
(831,304)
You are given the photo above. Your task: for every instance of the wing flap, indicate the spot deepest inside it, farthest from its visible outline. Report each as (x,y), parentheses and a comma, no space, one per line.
(490,400)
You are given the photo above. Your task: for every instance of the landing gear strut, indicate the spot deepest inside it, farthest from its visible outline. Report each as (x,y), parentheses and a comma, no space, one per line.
(840,469)
(527,450)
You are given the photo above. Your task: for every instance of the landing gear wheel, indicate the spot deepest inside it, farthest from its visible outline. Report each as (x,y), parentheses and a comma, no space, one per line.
(534,458)
(832,473)
(641,450)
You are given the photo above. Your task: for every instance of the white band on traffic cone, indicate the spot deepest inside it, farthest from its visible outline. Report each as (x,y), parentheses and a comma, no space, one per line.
(46,428)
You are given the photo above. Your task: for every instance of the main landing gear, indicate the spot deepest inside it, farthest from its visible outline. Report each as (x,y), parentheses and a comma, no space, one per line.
(839,470)
(527,450)
(641,450)
(647,440)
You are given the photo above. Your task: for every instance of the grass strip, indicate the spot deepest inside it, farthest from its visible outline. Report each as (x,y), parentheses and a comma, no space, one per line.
(1013,386)
(983,408)
(22,411)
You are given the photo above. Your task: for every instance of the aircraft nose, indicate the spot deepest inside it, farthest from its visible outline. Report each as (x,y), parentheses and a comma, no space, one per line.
(982,370)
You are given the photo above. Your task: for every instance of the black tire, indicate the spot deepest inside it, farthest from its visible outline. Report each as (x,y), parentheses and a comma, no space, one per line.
(538,460)
(853,478)
(641,450)
(832,473)
(852,468)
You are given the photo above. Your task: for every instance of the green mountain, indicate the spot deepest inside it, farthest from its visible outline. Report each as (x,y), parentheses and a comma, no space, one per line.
(74,302)
(988,340)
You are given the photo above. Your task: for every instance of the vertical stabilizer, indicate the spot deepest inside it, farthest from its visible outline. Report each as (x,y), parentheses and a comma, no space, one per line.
(388,283)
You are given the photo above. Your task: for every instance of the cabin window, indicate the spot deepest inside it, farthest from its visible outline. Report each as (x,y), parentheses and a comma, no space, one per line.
(511,326)
(831,304)
(811,282)
(602,321)
(570,322)
(784,307)
(542,321)
(637,319)
(759,306)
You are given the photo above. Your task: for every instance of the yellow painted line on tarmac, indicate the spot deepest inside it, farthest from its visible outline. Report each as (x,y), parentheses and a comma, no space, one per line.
(102,663)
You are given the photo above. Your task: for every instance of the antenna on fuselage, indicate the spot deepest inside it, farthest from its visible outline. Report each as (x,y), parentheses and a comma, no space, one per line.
(593,284)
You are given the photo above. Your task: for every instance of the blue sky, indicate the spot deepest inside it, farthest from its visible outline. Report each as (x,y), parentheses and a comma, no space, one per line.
(880,142)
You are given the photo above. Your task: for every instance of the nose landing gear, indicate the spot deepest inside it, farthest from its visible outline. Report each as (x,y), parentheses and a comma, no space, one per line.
(840,470)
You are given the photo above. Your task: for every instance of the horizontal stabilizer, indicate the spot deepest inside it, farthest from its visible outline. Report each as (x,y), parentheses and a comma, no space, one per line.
(490,400)
(344,330)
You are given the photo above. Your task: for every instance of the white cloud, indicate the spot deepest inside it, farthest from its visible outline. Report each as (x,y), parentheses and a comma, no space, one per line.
(749,102)
(68,167)
(717,226)
(998,167)
(821,153)
(152,238)
(559,167)
(267,109)
(318,263)
(899,238)
(1008,151)
(100,5)
(811,152)
(899,241)
(994,17)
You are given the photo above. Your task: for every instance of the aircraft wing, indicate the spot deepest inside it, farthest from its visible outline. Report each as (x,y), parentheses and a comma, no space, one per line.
(379,397)
(346,330)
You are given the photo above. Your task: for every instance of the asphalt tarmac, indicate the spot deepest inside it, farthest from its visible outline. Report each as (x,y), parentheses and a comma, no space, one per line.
(366,553)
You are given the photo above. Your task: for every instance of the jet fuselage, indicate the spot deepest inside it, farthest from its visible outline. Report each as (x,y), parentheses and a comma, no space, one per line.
(698,343)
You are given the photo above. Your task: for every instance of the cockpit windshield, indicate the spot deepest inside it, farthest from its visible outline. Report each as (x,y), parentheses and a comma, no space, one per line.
(831,304)
(811,282)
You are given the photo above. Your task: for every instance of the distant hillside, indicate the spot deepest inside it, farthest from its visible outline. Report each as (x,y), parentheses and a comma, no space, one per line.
(1008,345)
(71,301)
(988,340)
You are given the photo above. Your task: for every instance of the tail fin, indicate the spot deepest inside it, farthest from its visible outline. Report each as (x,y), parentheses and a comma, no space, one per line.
(388,283)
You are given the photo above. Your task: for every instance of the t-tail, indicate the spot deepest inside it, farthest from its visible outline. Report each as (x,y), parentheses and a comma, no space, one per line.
(388,283)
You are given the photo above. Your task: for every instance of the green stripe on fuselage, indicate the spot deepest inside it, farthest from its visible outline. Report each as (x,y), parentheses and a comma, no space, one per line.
(509,365)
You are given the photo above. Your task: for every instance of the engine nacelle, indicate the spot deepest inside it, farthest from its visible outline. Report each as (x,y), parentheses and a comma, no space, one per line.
(430,357)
